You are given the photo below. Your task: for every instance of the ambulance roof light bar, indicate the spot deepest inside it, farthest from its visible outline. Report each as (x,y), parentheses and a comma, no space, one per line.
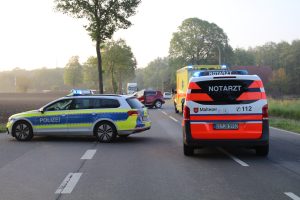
(220,72)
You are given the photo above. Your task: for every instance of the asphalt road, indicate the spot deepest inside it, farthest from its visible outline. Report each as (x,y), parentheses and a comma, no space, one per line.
(148,165)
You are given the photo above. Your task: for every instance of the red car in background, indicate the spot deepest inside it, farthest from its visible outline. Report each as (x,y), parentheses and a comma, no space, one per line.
(150,98)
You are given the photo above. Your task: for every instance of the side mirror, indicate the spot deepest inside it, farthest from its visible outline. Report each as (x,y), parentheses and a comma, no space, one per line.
(42,110)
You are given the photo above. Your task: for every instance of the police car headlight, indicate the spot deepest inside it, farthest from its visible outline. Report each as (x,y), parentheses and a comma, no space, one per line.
(11,119)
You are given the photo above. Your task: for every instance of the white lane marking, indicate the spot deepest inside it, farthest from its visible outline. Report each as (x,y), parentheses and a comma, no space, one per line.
(68,184)
(164,112)
(173,119)
(234,158)
(278,129)
(292,195)
(89,154)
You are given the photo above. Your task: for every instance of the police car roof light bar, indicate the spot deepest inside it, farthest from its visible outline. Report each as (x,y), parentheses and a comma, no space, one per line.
(79,92)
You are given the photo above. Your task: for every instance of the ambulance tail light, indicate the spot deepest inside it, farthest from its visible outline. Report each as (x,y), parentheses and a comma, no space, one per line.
(186,113)
(265,114)
(132,112)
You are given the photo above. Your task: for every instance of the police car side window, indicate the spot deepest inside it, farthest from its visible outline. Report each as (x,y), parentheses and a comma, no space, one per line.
(59,105)
(106,103)
(79,104)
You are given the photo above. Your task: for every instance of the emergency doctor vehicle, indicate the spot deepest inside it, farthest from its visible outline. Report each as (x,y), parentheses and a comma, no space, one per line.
(82,113)
(225,108)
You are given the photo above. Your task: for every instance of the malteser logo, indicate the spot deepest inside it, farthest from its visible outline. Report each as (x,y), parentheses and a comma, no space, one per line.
(224,88)
(208,109)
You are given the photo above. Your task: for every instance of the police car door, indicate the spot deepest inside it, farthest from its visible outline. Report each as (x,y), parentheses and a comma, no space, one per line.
(80,118)
(53,118)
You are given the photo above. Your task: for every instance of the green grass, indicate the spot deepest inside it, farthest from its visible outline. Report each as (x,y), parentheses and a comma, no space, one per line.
(2,128)
(288,109)
(286,124)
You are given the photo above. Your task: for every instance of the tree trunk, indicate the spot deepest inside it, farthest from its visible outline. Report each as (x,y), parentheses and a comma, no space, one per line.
(99,59)
(120,83)
(112,80)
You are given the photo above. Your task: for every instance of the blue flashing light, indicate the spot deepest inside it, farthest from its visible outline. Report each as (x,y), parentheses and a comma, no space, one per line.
(223,67)
(220,73)
(190,67)
(78,92)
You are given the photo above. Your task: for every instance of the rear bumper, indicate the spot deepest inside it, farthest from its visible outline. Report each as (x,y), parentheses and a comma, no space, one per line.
(188,140)
(136,130)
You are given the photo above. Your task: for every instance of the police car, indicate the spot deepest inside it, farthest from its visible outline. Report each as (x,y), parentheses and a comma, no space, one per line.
(82,113)
(225,108)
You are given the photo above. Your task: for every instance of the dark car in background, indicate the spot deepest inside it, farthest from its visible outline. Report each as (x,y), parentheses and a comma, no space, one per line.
(151,98)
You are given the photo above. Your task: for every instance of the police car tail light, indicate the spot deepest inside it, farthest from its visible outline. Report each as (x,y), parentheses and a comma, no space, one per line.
(186,113)
(265,114)
(132,112)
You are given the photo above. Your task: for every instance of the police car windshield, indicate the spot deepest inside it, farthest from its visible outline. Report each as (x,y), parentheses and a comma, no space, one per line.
(59,105)
(134,103)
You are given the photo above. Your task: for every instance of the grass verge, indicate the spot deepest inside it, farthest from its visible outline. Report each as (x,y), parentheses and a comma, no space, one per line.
(286,124)
(2,128)
(287,109)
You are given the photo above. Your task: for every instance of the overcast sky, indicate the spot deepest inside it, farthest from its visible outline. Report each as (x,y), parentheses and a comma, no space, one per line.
(33,35)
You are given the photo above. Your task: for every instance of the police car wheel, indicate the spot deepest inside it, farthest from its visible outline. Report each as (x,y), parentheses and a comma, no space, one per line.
(262,150)
(188,150)
(105,132)
(158,104)
(22,131)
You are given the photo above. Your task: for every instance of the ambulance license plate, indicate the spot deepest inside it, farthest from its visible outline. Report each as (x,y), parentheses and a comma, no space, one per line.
(226,126)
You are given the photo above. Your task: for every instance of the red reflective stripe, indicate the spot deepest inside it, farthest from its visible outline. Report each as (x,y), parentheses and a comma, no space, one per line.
(198,97)
(250,96)
(263,95)
(227,117)
(245,131)
(193,85)
(256,84)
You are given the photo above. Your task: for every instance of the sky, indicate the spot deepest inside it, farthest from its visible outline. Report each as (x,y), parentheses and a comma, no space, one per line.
(34,35)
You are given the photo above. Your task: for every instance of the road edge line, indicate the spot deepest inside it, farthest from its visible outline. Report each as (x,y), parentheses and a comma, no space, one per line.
(279,129)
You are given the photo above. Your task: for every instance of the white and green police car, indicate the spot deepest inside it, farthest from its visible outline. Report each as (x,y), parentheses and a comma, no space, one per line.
(82,113)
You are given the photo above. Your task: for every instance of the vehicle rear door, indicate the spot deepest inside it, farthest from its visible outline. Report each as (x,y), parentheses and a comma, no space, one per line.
(226,107)
(80,118)
(149,97)
(143,118)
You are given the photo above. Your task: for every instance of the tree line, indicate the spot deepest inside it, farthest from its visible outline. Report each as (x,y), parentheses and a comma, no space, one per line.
(200,42)
(195,42)
(119,65)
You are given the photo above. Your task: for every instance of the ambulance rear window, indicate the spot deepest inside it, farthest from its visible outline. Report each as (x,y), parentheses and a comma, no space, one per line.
(225,91)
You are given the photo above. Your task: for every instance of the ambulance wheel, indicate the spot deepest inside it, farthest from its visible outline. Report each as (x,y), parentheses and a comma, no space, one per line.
(158,104)
(262,150)
(188,150)
(22,131)
(105,132)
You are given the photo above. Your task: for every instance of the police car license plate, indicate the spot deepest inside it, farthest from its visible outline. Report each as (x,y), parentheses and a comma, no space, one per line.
(144,118)
(226,126)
